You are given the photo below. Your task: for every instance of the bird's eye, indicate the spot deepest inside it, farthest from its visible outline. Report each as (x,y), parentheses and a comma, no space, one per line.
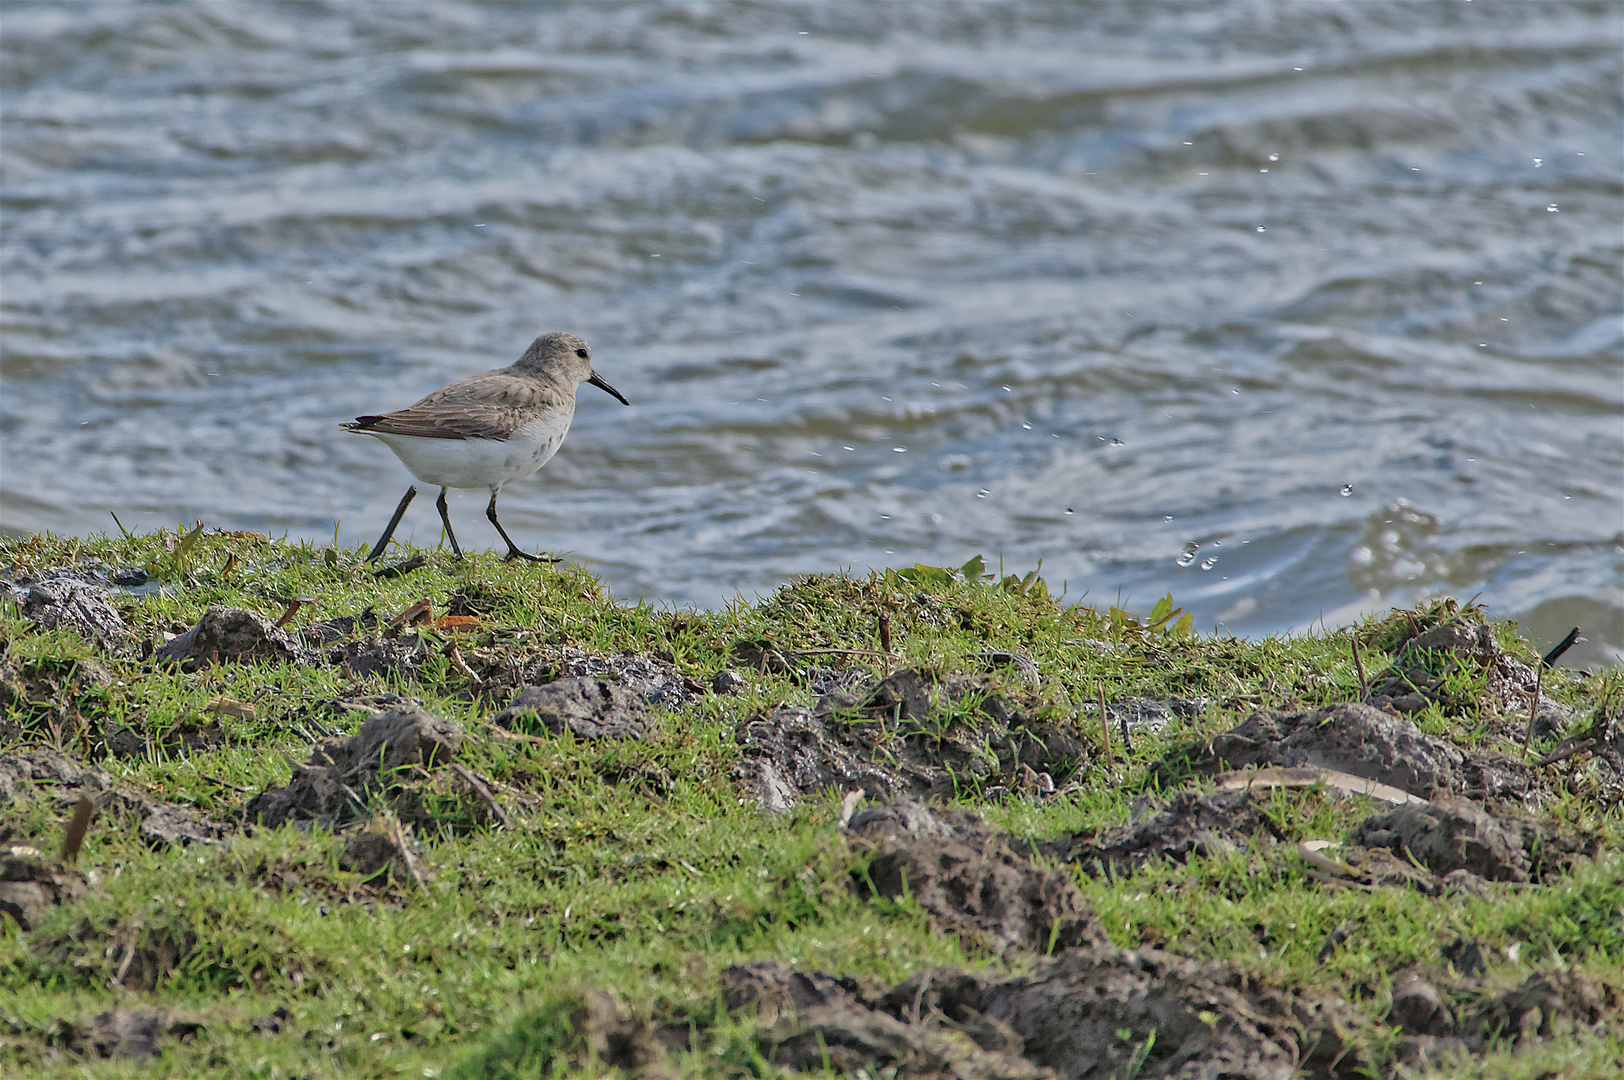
(581,353)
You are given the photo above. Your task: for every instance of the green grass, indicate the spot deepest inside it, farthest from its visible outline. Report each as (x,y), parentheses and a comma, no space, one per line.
(635,868)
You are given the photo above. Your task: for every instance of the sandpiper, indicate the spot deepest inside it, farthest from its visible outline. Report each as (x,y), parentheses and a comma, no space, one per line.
(486,430)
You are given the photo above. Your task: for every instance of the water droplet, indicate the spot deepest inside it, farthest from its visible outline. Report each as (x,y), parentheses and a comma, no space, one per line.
(1262,228)
(1274,157)
(899,449)
(848,448)
(1539,163)
(1347,489)
(1027,427)
(982,494)
(1007,389)
(1551,209)
(885,517)
(1169,517)
(1209,562)
(1187,556)
(1263,170)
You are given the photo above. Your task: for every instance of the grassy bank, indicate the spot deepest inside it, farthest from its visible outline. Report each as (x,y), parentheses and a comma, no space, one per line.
(551,899)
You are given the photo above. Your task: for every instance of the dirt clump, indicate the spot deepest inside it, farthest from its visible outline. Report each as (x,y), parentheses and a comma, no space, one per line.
(1452,834)
(393,749)
(68,603)
(31,885)
(50,695)
(1547,1004)
(591,708)
(233,634)
(41,769)
(606,1033)
(125,1034)
(180,741)
(655,679)
(808,1018)
(1351,738)
(909,734)
(1189,824)
(1096,1011)
(1446,655)
(380,859)
(975,880)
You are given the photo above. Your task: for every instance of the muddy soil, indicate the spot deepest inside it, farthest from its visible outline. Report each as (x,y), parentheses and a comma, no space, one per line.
(42,770)
(908,734)
(1190,824)
(1356,739)
(124,1034)
(1452,834)
(233,634)
(1446,845)
(975,880)
(393,749)
(1087,1012)
(31,885)
(591,708)
(69,600)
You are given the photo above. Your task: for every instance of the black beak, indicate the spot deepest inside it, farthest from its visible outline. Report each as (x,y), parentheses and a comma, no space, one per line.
(597,381)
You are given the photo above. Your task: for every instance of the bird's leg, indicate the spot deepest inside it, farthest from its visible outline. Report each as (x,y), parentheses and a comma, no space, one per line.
(446,517)
(513,549)
(400,512)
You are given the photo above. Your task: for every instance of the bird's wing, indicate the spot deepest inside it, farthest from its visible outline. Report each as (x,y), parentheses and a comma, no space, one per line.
(489,406)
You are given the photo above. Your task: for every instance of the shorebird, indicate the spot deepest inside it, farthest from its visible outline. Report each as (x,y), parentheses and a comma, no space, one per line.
(488,430)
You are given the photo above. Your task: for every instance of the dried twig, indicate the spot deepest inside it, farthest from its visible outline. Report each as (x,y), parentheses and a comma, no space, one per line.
(1533,710)
(294,603)
(1567,750)
(1105,721)
(75,836)
(514,736)
(403,841)
(457,661)
(1358,665)
(474,781)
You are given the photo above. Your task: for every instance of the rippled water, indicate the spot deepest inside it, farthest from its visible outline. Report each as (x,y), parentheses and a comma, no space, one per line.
(1293,310)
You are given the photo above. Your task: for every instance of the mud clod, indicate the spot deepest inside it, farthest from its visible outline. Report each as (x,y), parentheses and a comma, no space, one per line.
(607,1033)
(1418,1008)
(126,1034)
(232,634)
(1350,738)
(1452,834)
(68,603)
(906,735)
(42,769)
(1546,1004)
(1190,824)
(975,880)
(1087,1012)
(392,749)
(372,854)
(30,887)
(591,708)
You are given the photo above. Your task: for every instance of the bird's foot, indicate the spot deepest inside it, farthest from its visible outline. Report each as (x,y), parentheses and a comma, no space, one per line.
(515,553)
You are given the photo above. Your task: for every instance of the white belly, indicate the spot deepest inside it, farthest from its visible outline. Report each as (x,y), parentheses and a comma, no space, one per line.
(478,463)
